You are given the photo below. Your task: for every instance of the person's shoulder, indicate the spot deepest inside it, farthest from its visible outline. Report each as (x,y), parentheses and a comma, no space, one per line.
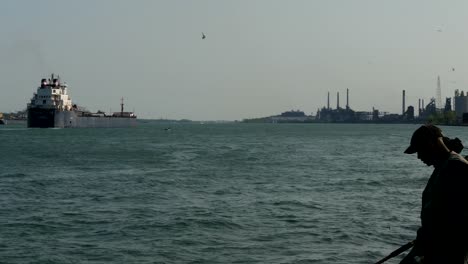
(458,165)
(457,159)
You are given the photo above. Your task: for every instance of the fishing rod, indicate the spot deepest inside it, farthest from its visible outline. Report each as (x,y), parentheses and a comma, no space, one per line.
(397,252)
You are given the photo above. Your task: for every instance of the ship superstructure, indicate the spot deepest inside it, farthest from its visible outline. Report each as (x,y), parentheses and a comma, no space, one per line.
(52,94)
(51,106)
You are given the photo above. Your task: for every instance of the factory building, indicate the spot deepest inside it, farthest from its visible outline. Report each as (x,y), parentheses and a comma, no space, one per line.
(431,112)
(327,114)
(461,106)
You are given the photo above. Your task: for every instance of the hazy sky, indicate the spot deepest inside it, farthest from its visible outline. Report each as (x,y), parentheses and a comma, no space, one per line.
(260,57)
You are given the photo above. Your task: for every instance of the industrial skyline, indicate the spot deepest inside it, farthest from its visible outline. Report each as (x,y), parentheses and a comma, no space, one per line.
(437,98)
(432,112)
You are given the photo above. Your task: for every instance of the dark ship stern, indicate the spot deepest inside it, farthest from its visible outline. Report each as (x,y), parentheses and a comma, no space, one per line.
(40,117)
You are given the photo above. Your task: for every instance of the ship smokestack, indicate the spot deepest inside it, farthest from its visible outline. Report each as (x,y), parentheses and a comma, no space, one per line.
(403,109)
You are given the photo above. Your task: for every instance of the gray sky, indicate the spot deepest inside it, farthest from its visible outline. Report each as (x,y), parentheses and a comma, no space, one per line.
(260,57)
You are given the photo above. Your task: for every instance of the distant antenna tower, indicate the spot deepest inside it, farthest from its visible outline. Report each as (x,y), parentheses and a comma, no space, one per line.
(438,94)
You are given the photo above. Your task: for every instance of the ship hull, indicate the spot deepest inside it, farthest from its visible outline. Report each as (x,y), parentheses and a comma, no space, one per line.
(38,117)
(45,118)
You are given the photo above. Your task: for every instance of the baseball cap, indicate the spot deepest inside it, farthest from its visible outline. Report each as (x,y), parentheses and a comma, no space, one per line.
(422,135)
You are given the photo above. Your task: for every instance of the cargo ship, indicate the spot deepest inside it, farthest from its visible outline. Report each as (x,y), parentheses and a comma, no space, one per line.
(51,106)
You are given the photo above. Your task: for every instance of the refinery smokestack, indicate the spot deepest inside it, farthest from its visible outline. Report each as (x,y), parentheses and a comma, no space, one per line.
(347,98)
(338,100)
(419,107)
(328,101)
(439,96)
(403,112)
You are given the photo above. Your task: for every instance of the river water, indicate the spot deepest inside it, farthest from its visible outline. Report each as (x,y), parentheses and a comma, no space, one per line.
(209,193)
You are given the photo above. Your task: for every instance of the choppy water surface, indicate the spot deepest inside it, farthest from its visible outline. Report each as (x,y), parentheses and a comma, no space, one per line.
(197,193)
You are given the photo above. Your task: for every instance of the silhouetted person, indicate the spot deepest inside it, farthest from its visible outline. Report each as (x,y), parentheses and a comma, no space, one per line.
(443,235)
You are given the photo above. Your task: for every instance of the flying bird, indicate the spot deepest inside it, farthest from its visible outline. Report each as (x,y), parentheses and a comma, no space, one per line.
(453,69)
(203,35)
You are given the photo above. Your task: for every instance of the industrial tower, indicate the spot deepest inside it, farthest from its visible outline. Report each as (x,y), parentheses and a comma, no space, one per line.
(439,95)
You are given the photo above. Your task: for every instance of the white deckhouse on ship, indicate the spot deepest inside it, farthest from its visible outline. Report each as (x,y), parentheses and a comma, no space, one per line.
(51,106)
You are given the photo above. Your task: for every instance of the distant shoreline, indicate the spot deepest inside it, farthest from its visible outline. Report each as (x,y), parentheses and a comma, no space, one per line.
(162,121)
